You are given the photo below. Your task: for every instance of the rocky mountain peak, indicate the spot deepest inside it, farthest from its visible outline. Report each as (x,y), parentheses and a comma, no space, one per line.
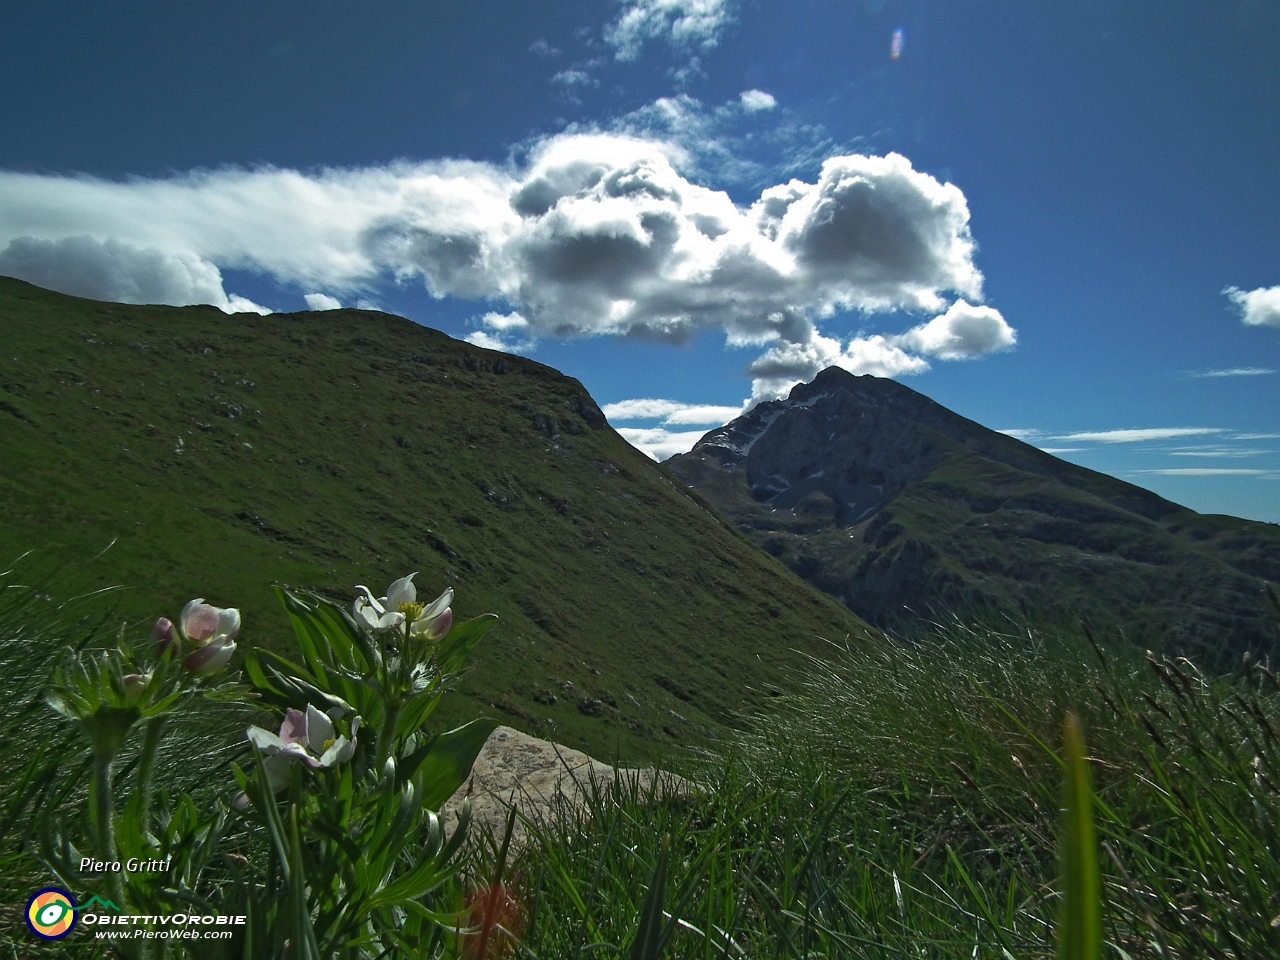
(903,509)
(841,445)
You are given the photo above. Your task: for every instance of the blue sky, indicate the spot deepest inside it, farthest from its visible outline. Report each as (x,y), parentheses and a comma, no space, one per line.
(1035,214)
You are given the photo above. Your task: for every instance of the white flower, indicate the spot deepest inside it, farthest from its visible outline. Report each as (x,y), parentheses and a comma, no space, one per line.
(384,613)
(310,738)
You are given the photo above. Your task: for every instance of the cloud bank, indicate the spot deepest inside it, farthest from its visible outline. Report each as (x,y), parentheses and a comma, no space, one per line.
(595,234)
(1258,308)
(660,443)
(671,412)
(1212,472)
(1138,436)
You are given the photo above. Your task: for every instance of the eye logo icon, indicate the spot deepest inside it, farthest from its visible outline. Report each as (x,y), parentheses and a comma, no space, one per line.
(51,914)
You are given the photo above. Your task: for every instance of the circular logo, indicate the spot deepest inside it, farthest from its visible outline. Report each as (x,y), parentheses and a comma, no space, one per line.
(51,914)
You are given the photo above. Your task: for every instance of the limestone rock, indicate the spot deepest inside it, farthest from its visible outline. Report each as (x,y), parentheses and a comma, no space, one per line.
(542,779)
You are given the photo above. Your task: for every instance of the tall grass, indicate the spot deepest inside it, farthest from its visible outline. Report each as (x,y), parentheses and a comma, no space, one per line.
(44,762)
(907,803)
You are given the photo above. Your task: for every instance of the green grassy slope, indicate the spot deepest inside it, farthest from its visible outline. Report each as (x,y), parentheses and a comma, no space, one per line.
(322,450)
(905,510)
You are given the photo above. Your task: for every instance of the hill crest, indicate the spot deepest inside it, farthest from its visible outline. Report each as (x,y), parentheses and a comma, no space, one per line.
(224,452)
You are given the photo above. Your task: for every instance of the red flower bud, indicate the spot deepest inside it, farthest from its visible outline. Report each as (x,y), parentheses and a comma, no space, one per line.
(496,923)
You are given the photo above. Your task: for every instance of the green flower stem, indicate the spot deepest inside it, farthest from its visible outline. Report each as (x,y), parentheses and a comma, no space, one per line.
(387,735)
(150,744)
(104,823)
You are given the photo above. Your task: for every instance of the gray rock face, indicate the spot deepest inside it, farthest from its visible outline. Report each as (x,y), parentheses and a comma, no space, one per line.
(908,512)
(542,780)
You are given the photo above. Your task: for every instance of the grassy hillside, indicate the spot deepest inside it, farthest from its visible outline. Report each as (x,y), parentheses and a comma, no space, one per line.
(221,453)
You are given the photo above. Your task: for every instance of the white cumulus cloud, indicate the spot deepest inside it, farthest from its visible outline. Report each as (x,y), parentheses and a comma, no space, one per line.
(504,321)
(489,341)
(782,366)
(109,269)
(1259,307)
(963,332)
(594,234)
(322,301)
(684,24)
(754,101)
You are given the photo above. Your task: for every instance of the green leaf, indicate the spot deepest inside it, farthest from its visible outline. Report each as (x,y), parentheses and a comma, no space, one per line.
(1080,921)
(455,648)
(445,763)
(652,932)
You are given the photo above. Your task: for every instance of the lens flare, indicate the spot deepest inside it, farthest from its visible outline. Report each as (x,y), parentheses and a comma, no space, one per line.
(899,41)
(51,914)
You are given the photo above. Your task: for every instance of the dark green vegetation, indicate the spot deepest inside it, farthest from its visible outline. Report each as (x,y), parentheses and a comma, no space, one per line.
(222,453)
(905,510)
(904,803)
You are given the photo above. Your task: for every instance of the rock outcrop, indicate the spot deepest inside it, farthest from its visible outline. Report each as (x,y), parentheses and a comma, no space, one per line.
(543,780)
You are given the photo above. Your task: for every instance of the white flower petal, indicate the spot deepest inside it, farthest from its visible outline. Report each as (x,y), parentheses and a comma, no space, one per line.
(209,659)
(438,605)
(389,620)
(264,740)
(402,591)
(370,599)
(319,730)
(366,614)
(340,751)
(296,751)
(229,623)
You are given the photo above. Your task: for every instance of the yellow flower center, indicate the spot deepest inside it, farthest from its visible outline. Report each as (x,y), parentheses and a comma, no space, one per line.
(329,743)
(411,611)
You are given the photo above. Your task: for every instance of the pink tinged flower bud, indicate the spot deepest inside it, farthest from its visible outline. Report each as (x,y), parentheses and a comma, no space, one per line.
(199,621)
(210,658)
(165,634)
(438,627)
(135,685)
(435,620)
